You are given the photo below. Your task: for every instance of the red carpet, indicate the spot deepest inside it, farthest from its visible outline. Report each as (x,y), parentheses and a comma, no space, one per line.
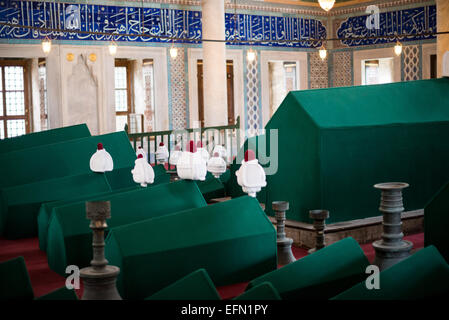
(44,280)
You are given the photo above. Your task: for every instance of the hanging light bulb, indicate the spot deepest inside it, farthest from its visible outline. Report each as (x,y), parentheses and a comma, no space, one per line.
(251,55)
(173,52)
(46,45)
(323,52)
(326,4)
(398,48)
(112,48)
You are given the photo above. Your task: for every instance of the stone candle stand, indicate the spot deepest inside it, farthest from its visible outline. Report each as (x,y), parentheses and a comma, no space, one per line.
(99,279)
(391,248)
(284,244)
(319,217)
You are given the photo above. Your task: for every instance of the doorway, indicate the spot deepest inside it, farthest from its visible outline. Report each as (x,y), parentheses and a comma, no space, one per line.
(230,91)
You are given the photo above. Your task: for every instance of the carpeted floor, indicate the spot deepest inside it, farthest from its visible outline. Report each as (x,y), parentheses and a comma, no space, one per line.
(44,280)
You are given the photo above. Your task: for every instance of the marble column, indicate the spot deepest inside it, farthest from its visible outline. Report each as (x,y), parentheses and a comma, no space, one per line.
(214,64)
(442,25)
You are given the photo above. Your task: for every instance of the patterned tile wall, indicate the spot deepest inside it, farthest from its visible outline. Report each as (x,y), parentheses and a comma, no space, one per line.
(135,24)
(342,69)
(178,90)
(411,63)
(318,74)
(252,97)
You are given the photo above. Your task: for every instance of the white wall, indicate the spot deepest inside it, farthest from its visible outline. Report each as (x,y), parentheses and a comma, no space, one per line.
(62,93)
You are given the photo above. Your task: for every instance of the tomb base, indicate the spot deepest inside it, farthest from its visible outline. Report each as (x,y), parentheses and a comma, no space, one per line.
(362,230)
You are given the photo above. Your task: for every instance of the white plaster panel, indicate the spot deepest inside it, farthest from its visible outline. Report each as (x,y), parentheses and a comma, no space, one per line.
(265,57)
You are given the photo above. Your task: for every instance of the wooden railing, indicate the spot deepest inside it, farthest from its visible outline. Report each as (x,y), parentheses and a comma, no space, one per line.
(228,136)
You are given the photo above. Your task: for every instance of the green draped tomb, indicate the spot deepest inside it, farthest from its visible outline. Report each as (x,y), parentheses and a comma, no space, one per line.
(62,159)
(15,282)
(233,240)
(120,180)
(320,275)
(424,275)
(43,138)
(69,239)
(19,205)
(334,144)
(46,209)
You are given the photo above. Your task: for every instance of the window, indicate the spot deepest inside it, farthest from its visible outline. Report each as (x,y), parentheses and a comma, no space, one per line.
(123,93)
(13,96)
(229,88)
(377,71)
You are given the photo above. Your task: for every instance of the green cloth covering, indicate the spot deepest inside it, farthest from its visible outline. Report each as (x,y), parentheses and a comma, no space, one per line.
(15,282)
(120,178)
(436,222)
(233,240)
(263,291)
(320,275)
(233,189)
(69,239)
(424,275)
(334,144)
(20,204)
(211,188)
(160,175)
(59,294)
(43,138)
(225,178)
(62,159)
(194,286)
(43,218)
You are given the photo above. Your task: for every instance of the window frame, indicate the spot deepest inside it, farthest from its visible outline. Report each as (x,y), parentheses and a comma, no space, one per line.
(129,89)
(26,87)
